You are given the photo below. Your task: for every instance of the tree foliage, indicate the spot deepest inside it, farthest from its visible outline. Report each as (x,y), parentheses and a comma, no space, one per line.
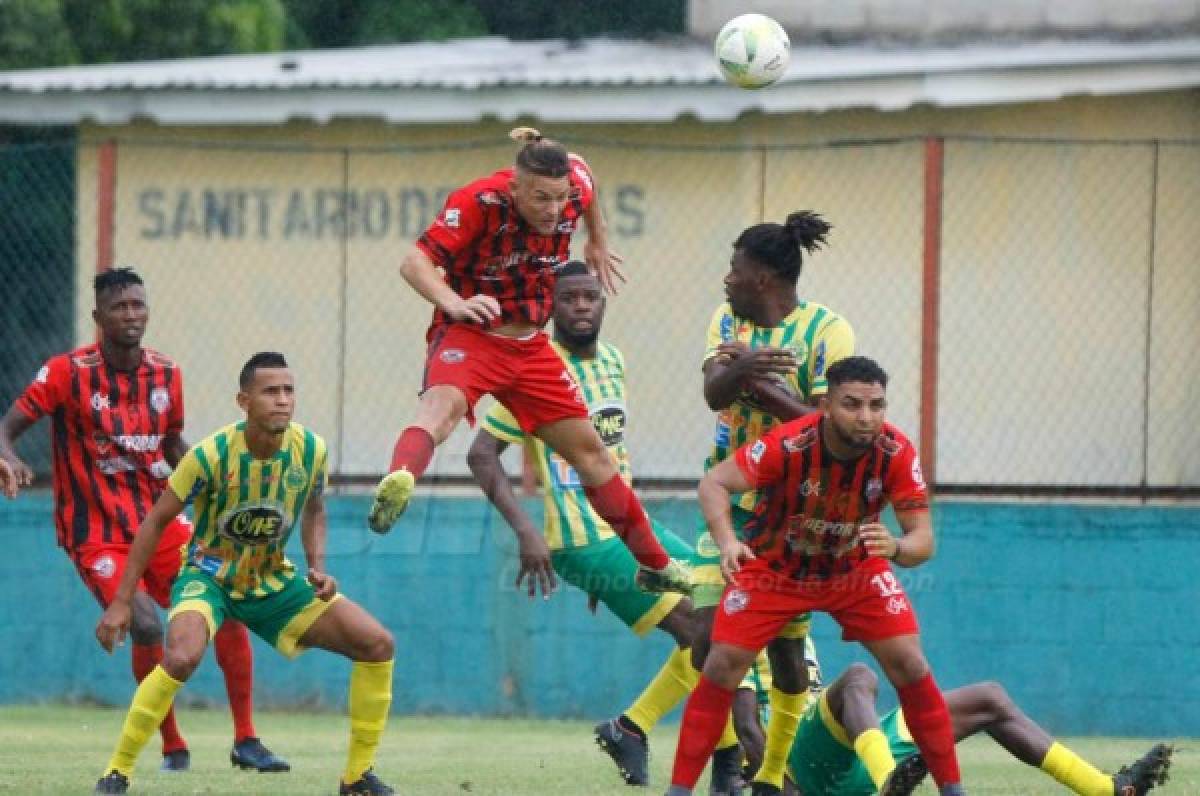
(41,33)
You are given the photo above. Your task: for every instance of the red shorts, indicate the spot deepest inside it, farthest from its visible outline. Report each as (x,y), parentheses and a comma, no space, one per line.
(868,602)
(527,376)
(102,565)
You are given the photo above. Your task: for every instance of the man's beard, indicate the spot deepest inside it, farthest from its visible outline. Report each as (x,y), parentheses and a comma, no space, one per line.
(575,340)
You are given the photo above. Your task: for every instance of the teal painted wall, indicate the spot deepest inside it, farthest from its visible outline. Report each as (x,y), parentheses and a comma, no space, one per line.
(1088,614)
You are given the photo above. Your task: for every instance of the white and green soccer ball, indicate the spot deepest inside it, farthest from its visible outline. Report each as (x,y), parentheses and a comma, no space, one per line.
(752,51)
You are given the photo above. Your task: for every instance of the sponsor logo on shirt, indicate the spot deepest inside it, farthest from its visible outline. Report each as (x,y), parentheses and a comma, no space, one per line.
(918,477)
(453,217)
(610,425)
(256,523)
(819,360)
(100,402)
(452,356)
(193,588)
(43,375)
(757,451)
(138,443)
(874,489)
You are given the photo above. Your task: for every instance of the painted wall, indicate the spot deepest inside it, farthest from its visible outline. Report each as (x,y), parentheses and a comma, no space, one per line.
(288,241)
(1085,613)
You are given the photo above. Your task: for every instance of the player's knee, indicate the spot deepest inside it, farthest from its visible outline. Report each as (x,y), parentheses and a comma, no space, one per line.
(996,700)
(860,676)
(378,646)
(145,628)
(180,663)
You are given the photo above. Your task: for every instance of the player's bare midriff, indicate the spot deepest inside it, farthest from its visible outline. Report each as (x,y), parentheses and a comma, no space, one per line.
(516,330)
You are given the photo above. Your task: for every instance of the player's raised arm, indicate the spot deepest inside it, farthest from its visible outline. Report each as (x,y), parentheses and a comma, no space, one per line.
(484,460)
(114,624)
(604,262)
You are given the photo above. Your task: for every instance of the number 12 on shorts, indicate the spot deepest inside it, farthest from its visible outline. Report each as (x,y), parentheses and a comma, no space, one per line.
(887,584)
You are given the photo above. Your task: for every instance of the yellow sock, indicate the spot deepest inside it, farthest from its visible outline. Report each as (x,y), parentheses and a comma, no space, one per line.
(1076,773)
(150,704)
(873,750)
(674,681)
(728,737)
(781,731)
(370,698)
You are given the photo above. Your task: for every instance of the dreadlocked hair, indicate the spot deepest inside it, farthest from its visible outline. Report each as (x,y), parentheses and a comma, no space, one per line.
(779,247)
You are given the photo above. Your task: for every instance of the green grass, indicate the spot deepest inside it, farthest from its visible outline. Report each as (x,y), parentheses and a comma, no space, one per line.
(61,750)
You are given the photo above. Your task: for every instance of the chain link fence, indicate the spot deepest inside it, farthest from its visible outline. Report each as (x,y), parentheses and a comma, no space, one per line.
(1063,283)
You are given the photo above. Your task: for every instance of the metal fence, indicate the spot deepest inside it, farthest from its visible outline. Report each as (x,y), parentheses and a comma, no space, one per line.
(1034,301)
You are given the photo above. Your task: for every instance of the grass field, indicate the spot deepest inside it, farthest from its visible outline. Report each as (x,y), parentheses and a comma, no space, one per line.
(61,750)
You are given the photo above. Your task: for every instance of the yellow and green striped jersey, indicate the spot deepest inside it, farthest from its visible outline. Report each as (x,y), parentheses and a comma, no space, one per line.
(246,508)
(817,334)
(570,520)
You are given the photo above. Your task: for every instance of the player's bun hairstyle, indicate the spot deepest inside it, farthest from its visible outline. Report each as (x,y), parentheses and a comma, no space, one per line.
(115,278)
(574,268)
(540,155)
(778,246)
(263,359)
(860,369)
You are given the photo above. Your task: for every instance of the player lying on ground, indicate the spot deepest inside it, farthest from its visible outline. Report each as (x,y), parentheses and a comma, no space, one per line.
(250,483)
(843,747)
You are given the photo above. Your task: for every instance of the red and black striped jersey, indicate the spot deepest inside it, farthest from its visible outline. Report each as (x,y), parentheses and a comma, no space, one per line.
(484,246)
(107,431)
(811,504)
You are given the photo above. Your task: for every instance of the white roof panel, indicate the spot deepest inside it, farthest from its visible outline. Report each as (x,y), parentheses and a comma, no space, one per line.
(590,80)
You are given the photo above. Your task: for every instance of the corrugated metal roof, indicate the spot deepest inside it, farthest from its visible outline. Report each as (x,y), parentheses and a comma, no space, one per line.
(621,79)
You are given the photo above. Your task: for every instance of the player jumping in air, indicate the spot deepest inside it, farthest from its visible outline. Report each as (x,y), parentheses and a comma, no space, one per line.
(498,242)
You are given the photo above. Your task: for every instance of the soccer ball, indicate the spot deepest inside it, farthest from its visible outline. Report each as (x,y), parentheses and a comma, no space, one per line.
(752,51)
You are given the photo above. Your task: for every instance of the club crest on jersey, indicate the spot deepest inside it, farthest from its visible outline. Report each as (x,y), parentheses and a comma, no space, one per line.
(255,523)
(452,356)
(874,489)
(105,567)
(194,588)
(100,402)
(735,601)
(160,399)
(295,478)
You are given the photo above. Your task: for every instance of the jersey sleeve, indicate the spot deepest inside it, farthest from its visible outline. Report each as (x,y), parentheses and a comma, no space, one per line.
(500,423)
(48,390)
(175,413)
(762,461)
(835,341)
(905,484)
(190,478)
(720,330)
(320,477)
(455,229)
(582,179)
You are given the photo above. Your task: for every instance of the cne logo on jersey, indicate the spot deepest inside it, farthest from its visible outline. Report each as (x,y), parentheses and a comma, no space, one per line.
(256,523)
(610,425)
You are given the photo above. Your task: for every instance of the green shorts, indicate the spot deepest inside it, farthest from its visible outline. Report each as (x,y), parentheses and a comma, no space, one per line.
(279,619)
(823,761)
(706,573)
(606,570)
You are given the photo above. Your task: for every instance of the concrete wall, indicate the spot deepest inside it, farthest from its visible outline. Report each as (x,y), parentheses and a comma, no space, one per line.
(1086,614)
(289,242)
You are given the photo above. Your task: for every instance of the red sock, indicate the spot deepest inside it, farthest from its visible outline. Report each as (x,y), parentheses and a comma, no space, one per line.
(145,658)
(929,721)
(413,451)
(620,508)
(704,720)
(232,646)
